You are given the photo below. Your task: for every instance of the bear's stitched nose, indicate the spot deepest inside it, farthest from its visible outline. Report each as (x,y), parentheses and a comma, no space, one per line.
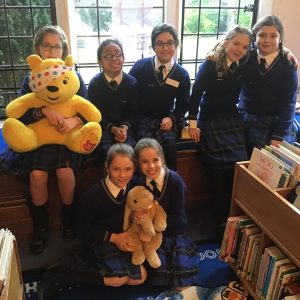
(52,88)
(135,201)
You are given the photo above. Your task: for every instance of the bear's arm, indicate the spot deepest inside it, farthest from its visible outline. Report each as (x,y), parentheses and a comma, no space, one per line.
(86,109)
(18,107)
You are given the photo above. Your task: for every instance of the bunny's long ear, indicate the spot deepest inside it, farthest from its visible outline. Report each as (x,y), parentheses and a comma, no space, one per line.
(126,218)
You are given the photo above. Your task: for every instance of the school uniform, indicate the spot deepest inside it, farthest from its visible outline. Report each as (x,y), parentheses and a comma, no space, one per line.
(222,137)
(101,213)
(161,97)
(178,252)
(268,99)
(222,140)
(47,157)
(117,101)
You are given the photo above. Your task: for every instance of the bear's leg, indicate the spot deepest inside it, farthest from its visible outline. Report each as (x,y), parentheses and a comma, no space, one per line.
(18,136)
(85,139)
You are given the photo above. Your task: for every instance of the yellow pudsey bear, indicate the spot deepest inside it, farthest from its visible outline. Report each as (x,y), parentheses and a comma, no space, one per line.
(54,84)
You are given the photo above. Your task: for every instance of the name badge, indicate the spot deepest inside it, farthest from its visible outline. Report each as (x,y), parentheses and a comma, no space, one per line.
(172,82)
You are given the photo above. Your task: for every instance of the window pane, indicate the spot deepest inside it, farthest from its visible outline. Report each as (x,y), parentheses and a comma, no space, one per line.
(17,3)
(210,3)
(245,19)
(87,49)
(191,17)
(19,22)
(228,18)
(156,16)
(230,3)
(1,2)
(206,44)
(190,67)
(192,3)
(6,79)
(4,52)
(21,48)
(40,2)
(86,2)
(41,17)
(105,20)
(209,20)
(3,27)
(189,45)
(246,2)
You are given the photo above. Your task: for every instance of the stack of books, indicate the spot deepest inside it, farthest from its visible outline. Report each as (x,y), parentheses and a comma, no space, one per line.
(6,252)
(269,270)
(277,167)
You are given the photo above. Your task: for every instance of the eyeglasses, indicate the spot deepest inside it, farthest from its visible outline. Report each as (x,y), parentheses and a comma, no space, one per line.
(48,47)
(110,57)
(161,44)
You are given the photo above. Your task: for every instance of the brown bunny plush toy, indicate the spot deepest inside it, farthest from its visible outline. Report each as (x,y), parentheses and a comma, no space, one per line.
(155,221)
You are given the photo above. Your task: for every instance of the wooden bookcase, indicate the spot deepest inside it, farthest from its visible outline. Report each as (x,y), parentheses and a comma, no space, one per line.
(277,218)
(14,289)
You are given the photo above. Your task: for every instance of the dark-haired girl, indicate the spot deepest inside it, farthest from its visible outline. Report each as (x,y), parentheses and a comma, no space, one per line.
(269,89)
(115,94)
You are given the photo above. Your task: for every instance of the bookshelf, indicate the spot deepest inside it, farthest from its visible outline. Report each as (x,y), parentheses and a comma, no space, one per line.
(13,290)
(277,218)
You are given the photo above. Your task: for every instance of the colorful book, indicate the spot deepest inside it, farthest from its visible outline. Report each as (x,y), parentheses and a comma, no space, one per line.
(254,231)
(277,265)
(253,265)
(267,169)
(275,254)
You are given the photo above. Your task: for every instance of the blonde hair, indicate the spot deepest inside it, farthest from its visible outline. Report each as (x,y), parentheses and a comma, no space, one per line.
(218,52)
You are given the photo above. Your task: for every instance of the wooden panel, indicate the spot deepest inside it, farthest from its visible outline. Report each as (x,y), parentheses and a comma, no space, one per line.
(190,167)
(278,218)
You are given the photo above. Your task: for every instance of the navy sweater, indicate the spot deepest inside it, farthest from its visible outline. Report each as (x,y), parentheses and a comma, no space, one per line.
(217,95)
(159,100)
(118,107)
(272,93)
(99,214)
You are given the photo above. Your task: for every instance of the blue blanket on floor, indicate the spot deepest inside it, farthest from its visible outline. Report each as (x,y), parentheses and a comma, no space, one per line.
(212,277)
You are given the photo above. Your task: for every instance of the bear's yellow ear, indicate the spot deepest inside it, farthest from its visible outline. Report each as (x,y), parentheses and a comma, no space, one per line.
(33,61)
(69,61)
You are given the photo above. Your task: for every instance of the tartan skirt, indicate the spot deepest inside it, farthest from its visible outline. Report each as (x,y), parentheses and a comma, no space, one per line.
(179,263)
(222,143)
(51,157)
(150,128)
(259,130)
(101,260)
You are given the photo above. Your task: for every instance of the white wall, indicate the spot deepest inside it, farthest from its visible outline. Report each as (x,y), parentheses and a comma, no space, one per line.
(288,11)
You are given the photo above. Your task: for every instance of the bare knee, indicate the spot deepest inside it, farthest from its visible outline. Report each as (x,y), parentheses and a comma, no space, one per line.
(64,173)
(38,177)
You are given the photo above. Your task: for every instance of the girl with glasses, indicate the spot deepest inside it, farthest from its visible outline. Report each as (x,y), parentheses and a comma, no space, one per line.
(51,42)
(115,94)
(164,92)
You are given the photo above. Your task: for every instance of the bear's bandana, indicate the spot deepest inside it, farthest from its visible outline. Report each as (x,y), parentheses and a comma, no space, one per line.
(37,81)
